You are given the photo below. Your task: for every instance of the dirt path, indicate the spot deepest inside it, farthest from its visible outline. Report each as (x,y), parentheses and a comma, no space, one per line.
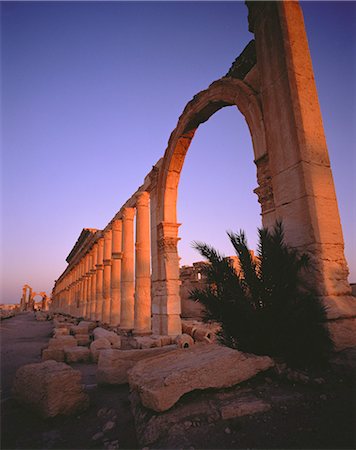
(22,338)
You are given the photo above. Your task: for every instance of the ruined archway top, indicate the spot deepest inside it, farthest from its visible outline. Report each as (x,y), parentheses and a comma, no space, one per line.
(227,91)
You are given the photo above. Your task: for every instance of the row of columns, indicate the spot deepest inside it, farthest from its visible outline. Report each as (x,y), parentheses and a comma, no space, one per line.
(112,281)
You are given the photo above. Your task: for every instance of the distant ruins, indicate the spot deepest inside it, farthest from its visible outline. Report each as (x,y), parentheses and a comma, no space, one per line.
(132,279)
(27,302)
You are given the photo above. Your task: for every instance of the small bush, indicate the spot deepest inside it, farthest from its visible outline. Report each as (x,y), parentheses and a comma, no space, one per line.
(263,308)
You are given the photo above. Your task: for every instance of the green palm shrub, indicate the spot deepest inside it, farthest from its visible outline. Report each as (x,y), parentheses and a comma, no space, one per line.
(264,309)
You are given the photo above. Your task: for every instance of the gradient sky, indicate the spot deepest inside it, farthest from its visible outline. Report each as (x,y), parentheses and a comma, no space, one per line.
(90,94)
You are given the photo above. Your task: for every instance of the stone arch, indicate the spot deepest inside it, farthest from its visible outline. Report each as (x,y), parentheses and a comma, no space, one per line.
(221,93)
(228,91)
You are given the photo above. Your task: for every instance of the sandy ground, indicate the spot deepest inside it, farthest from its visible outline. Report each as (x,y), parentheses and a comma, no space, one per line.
(305,417)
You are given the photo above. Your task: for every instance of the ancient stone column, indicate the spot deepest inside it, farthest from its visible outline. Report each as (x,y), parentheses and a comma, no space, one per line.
(77,292)
(89,291)
(142,319)
(93,282)
(127,270)
(116,272)
(99,280)
(166,307)
(86,286)
(107,276)
(82,289)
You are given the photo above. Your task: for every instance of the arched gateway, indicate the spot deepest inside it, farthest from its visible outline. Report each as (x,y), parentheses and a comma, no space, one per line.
(272,84)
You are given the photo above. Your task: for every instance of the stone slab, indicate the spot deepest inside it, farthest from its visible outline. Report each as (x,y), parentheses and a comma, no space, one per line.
(162,380)
(113,365)
(50,388)
(204,407)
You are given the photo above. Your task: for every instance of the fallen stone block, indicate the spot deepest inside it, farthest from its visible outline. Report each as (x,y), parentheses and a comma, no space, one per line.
(97,346)
(203,335)
(88,325)
(113,365)
(111,336)
(51,388)
(204,408)
(62,341)
(162,380)
(83,339)
(60,332)
(76,354)
(147,342)
(184,341)
(53,353)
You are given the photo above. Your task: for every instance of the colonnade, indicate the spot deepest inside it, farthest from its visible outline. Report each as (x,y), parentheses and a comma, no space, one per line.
(131,279)
(109,279)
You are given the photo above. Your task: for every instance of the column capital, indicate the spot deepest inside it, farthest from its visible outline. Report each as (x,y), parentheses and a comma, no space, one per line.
(107,262)
(99,266)
(116,225)
(128,213)
(142,198)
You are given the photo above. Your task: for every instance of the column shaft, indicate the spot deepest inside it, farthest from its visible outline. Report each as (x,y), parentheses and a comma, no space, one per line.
(107,276)
(116,273)
(99,280)
(127,270)
(142,322)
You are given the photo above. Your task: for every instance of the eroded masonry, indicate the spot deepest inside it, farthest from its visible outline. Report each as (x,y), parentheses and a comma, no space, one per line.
(136,285)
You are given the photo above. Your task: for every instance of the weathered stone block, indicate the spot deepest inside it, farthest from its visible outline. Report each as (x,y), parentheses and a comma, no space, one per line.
(62,341)
(82,339)
(111,336)
(53,353)
(162,380)
(76,354)
(97,346)
(51,388)
(113,365)
(60,332)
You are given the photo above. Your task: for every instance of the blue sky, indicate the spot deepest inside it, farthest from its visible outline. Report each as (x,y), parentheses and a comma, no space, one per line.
(90,94)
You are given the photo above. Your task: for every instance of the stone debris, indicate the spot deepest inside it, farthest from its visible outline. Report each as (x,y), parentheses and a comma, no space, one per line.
(98,436)
(55,354)
(60,332)
(108,426)
(62,341)
(97,346)
(83,339)
(147,341)
(51,388)
(162,380)
(243,406)
(113,365)
(199,409)
(111,336)
(184,341)
(76,354)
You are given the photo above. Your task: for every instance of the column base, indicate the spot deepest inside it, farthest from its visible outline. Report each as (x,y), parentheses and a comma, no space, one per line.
(141,332)
(341,314)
